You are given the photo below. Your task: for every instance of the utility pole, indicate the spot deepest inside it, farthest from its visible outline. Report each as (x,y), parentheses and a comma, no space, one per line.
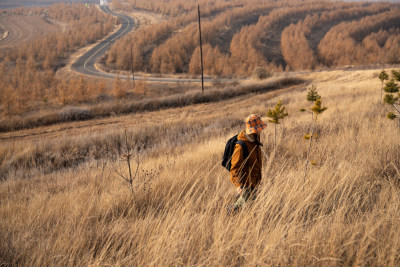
(133,76)
(201,53)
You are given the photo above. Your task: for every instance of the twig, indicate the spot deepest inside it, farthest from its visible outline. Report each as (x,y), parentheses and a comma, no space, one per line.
(128,157)
(397,170)
(309,149)
(397,108)
(119,173)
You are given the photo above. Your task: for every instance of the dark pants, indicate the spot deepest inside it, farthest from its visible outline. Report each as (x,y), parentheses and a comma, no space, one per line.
(248,193)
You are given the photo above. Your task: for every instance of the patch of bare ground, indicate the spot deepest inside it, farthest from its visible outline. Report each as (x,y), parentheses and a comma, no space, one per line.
(22,29)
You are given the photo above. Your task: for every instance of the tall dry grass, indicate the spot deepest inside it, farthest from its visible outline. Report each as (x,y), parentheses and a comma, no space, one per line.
(346,213)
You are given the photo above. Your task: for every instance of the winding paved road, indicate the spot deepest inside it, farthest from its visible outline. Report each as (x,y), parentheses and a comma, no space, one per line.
(86,63)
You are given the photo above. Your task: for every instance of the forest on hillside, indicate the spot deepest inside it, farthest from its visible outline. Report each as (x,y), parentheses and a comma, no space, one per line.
(239,36)
(28,72)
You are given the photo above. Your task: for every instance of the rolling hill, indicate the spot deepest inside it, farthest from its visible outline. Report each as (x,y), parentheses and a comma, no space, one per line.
(241,35)
(63,201)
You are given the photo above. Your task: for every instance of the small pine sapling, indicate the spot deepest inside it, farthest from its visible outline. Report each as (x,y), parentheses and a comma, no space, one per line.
(391,88)
(312,96)
(383,76)
(317,109)
(390,99)
(275,115)
(396,75)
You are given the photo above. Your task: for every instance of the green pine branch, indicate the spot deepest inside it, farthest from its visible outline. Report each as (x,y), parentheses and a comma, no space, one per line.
(276,114)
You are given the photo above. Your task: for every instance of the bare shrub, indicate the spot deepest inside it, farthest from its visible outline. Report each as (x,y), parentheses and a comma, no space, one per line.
(261,73)
(75,114)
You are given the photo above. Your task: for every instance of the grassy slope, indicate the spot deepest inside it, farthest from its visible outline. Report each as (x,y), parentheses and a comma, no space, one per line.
(346,213)
(22,29)
(126,106)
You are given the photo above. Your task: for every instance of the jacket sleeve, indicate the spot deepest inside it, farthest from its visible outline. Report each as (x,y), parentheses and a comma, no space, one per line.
(237,165)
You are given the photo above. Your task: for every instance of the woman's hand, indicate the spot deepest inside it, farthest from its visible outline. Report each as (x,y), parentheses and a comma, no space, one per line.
(239,189)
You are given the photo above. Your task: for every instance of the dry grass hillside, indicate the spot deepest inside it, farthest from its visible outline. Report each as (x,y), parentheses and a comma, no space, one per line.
(62,203)
(8,4)
(19,29)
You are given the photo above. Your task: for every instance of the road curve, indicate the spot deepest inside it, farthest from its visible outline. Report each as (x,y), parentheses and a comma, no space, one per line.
(86,63)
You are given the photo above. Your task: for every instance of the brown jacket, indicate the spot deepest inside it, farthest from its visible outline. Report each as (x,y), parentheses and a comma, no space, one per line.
(246,173)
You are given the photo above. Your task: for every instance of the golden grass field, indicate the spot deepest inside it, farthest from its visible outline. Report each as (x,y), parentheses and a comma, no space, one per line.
(62,203)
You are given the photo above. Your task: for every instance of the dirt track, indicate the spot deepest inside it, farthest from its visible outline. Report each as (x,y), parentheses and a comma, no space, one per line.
(326,79)
(207,111)
(22,29)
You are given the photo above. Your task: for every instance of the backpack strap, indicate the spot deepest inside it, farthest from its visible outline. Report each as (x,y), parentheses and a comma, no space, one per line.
(244,147)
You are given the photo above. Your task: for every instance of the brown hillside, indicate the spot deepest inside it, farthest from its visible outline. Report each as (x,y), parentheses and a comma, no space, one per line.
(21,29)
(260,33)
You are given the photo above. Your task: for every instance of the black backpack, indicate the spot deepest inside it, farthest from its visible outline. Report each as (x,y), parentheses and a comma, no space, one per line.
(229,148)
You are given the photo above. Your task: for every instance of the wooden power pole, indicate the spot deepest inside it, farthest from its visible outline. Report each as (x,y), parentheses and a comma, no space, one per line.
(132,71)
(201,53)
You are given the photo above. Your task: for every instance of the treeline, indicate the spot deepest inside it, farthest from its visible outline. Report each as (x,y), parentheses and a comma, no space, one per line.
(143,41)
(261,41)
(179,8)
(28,72)
(284,35)
(374,39)
(299,41)
(173,47)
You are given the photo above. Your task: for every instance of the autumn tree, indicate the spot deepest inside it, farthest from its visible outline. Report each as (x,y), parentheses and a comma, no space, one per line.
(10,101)
(63,94)
(80,90)
(119,88)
